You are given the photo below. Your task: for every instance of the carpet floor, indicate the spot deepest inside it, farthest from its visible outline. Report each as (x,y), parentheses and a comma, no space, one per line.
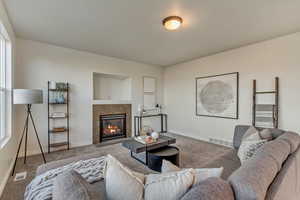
(193,153)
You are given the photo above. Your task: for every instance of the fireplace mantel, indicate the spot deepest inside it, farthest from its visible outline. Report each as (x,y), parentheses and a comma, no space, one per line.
(104,109)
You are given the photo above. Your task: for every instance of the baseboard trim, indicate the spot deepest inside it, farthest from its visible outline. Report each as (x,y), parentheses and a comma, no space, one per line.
(6,177)
(188,136)
(208,140)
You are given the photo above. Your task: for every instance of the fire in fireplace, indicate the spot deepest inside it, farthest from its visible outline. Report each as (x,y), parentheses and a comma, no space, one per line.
(112,126)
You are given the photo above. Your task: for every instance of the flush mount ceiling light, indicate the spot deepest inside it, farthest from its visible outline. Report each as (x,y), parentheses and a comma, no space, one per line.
(172,22)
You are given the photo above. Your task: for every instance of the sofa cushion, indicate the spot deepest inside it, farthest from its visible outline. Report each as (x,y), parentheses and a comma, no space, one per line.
(251,180)
(286,185)
(266,134)
(71,186)
(228,160)
(122,183)
(200,174)
(210,189)
(168,186)
(292,138)
(277,149)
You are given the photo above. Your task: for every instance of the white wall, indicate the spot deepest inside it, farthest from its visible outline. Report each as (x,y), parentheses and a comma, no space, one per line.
(262,61)
(39,62)
(8,151)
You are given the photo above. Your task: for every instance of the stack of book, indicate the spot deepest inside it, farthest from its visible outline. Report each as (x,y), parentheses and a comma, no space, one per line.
(58,114)
(59,129)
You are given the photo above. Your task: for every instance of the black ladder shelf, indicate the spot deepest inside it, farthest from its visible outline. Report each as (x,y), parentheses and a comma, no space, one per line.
(51,119)
(266,108)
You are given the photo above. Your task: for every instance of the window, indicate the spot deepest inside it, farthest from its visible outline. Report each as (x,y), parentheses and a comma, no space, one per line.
(5,86)
(2,88)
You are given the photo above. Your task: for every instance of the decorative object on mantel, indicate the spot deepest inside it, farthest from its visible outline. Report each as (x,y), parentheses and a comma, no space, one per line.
(152,111)
(27,97)
(58,95)
(217,96)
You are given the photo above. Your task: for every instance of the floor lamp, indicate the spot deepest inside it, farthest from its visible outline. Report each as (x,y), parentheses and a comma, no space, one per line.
(27,97)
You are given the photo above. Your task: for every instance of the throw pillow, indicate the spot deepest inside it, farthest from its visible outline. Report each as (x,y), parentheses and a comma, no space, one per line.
(210,189)
(266,134)
(167,166)
(200,174)
(168,186)
(249,148)
(70,186)
(251,134)
(122,183)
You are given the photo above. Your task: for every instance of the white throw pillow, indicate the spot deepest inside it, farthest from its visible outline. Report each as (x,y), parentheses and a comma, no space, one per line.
(168,186)
(248,148)
(200,174)
(122,183)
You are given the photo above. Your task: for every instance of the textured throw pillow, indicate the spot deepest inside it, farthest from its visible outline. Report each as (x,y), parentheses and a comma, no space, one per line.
(70,186)
(248,148)
(266,134)
(200,174)
(168,186)
(122,183)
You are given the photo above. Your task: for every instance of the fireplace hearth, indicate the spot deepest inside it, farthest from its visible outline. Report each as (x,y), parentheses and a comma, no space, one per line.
(112,126)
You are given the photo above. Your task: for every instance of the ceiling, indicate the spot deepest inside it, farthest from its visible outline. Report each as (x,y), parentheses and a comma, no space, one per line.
(132,29)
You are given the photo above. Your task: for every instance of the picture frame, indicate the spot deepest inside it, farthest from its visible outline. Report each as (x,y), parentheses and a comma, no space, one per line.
(218,96)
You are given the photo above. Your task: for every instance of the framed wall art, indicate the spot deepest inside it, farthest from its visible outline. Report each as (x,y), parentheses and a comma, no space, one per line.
(218,96)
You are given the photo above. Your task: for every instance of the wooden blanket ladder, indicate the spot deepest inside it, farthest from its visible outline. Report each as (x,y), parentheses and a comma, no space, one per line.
(265,113)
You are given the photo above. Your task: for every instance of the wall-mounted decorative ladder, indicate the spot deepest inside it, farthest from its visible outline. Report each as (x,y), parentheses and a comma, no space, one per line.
(52,129)
(265,113)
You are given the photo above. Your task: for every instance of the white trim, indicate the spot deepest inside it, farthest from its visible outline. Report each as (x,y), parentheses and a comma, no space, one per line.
(188,135)
(4,141)
(6,177)
(7,87)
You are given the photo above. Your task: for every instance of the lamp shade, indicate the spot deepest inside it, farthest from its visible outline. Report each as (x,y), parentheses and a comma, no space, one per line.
(28,96)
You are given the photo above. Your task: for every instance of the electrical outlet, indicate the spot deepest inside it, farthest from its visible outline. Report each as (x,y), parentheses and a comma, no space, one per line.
(20,176)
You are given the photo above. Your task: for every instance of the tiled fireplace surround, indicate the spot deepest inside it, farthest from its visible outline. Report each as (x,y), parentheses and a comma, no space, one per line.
(104,109)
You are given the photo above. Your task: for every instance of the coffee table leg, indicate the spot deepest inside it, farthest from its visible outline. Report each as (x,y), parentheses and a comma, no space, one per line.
(140,160)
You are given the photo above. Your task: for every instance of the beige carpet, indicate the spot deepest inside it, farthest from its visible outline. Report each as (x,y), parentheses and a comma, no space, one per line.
(193,153)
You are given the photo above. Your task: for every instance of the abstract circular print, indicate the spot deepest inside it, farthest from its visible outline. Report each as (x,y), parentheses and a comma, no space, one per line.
(216,96)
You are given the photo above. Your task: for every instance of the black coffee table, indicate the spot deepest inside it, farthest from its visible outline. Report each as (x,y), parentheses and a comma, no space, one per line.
(139,151)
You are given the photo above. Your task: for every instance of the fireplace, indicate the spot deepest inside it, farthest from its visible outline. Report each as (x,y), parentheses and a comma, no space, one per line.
(112,126)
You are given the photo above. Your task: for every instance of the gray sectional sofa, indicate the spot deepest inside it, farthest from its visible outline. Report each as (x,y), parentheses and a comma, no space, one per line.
(273,173)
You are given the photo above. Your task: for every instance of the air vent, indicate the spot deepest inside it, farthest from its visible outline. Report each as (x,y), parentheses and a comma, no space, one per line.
(20,176)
